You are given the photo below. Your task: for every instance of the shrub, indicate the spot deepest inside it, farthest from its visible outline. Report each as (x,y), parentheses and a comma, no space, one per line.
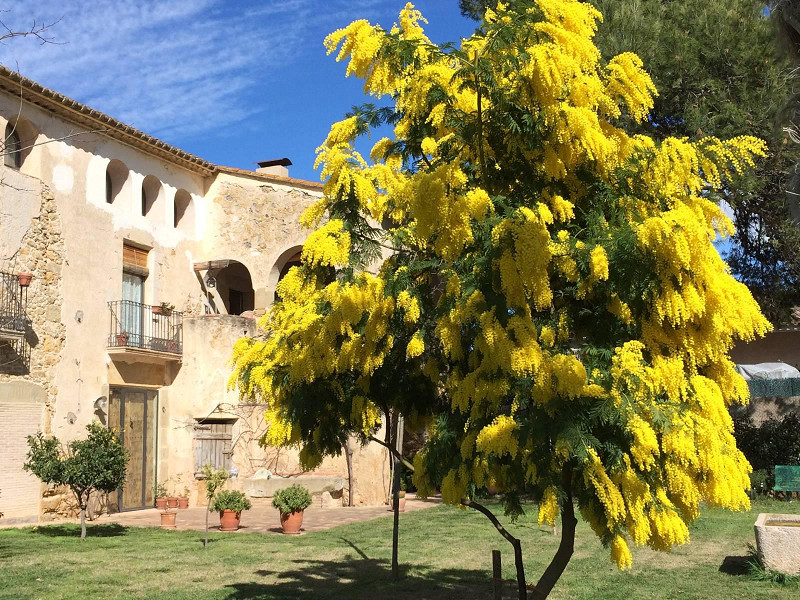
(231,500)
(773,442)
(292,499)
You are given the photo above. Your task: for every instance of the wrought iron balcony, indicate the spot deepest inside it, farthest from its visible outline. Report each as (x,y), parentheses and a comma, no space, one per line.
(140,329)
(13,303)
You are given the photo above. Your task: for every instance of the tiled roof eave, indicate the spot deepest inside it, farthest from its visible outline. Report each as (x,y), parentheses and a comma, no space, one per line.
(98,122)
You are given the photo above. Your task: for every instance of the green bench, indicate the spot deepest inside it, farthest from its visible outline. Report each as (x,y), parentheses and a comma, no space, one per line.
(787,479)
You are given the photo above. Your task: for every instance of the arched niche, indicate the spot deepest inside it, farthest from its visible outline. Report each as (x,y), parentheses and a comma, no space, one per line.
(117,176)
(288,258)
(183,209)
(152,198)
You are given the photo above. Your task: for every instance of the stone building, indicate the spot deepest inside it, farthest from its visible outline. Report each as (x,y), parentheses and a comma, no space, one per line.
(115,228)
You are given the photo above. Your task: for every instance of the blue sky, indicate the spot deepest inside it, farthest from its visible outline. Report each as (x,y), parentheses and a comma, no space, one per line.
(233,82)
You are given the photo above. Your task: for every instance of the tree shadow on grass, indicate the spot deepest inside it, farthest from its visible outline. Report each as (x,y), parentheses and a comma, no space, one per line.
(109,530)
(364,578)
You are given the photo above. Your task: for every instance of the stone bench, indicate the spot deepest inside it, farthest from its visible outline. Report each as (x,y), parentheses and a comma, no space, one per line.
(316,484)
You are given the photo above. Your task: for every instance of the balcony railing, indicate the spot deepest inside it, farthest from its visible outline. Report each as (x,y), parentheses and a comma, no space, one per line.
(13,303)
(145,327)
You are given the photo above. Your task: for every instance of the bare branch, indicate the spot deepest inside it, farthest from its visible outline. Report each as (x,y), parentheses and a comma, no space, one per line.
(36,30)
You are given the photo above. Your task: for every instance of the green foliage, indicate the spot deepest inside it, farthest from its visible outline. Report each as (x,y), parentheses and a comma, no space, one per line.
(160,489)
(96,463)
(758,572)
(230,500)
(214,479)
(292,499)
(773,442)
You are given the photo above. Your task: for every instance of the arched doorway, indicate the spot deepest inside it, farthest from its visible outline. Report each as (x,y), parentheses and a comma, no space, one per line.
(235,288)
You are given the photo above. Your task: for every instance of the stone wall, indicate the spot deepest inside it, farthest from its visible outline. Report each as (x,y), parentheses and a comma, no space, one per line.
(28,368)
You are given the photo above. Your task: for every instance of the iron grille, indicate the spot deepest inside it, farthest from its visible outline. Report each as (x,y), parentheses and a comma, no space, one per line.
(137,325)
(13,302)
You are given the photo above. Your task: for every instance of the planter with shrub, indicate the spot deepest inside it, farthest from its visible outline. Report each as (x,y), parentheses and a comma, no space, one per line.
(291,502)
(230,504)
(160,495)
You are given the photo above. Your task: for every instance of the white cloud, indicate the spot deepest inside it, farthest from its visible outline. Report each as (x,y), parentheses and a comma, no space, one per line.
(172,68)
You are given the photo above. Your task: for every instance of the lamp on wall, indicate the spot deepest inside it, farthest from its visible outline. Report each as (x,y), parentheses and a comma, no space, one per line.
(211,281)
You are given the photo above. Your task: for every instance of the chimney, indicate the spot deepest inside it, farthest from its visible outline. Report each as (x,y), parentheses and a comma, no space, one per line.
(278,166)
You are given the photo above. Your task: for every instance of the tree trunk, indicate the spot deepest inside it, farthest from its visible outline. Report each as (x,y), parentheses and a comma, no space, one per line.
(515,543)
(565,549)
(208,509)
(396,527)
(83,522)
(348,453)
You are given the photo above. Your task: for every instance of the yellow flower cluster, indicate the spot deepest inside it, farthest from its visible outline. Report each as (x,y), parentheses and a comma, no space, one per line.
(498,438)
(328,246)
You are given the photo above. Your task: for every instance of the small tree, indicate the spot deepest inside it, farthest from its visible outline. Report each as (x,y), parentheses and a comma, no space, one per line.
(96,463)
(214,481)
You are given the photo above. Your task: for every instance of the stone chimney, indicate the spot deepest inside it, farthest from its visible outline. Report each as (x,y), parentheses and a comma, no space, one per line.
(278,166)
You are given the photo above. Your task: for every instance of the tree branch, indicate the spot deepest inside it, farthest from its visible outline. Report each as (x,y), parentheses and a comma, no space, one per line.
(522,588)
(394,452)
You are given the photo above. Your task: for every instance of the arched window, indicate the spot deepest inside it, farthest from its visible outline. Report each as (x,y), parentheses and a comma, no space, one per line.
(12,150)
(145,208)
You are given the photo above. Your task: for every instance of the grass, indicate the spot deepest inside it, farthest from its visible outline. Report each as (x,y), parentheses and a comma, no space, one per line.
(444,552)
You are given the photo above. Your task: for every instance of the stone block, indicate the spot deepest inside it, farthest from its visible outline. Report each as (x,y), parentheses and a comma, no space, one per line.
(778,542)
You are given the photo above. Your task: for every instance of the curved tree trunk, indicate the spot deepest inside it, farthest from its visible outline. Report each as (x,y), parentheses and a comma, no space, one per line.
(563,555)
(522,588)
(83,521)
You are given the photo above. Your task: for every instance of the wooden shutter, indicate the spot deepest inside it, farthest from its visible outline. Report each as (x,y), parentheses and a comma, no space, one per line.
(213,445)
(134,257)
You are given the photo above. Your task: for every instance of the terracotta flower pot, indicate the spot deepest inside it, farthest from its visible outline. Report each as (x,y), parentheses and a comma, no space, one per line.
(168,519)
(24,279)
(122,339)
(183,502)
(172,502)
(161,503)
(292,522)
(229,520)
(402,503)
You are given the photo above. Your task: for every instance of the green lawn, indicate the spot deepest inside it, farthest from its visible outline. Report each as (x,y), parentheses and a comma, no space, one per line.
(445,554)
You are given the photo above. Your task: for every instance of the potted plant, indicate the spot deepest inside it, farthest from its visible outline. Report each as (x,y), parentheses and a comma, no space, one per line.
(183,501)
(401,496)
(230,504)
(168,519)
(172,499)
(122,338)
(291,502)
(160,495)
(24,279)
(165,308)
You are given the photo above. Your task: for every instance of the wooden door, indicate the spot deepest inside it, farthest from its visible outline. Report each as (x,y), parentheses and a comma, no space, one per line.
(134,413)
